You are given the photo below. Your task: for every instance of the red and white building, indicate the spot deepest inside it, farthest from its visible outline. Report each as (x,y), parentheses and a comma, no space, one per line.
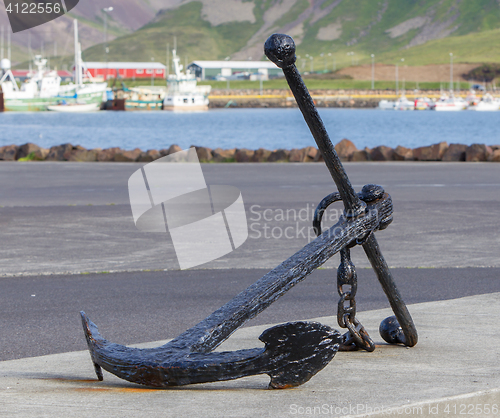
(107,70)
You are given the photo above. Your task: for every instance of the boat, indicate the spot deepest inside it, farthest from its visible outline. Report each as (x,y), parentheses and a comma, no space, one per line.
(182,91)
(74,107)
(450,103)
(40,89)
(404,104)
(81,92)
(43,88)
(145,98)
(424,103)
(487,103)
(386,104)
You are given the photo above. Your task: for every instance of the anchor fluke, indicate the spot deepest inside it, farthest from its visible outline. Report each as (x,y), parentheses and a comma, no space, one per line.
(301,350)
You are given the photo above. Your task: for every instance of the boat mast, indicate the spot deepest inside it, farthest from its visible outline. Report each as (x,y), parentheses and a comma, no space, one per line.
(78,56)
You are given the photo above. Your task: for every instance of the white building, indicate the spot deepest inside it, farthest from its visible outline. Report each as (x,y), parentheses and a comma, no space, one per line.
(230,70)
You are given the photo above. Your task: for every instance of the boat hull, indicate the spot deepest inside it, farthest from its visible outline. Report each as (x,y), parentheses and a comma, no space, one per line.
(186,108)
(75,108)
(35,104)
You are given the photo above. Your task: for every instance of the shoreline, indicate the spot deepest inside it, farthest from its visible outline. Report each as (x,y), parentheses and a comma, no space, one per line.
(346,150)
(355,99)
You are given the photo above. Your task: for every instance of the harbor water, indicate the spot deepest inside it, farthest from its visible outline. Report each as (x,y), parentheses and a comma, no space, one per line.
(247,128)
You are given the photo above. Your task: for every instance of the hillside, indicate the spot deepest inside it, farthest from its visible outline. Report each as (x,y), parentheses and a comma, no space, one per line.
(57,36)
(422,32)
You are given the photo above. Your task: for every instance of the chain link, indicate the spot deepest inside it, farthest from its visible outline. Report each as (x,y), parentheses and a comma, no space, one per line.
(356,337)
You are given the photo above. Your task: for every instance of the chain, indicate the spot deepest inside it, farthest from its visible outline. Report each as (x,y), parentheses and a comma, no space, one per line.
(347,286)
(356,337)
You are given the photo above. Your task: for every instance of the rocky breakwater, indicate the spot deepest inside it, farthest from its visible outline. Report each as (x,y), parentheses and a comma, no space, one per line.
(346,150)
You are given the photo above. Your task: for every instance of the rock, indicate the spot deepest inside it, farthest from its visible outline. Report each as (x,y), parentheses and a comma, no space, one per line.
(345,149)
(25,150)
(433,152)
(204,153)
(362,155)
(40,154)
(319,157)
(8,152)
(478,152)
(495,156)
(455,152)
(261,155)
(57,152)
(82,155)
(107,154)
(68,153)
(403,154)
(310,154)
(148,156)
(223,155)
(297,155)
(279,155)
(243,155)
(382,153)
(173,149)
(127,156)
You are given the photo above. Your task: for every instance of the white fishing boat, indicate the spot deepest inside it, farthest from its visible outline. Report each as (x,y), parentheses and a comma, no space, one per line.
(182,91)
(386,104)
(450,104)
(43,87)
(488,103)
(40,89)
(404,104)
(74,107)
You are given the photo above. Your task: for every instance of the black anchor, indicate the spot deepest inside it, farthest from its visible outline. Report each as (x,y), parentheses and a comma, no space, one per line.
(295,351)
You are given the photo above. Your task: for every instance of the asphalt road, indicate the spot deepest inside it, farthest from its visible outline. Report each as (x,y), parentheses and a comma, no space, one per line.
(39,315)
(68,218)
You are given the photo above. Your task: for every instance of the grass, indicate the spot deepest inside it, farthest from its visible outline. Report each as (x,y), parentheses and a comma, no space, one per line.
(281,84)
(30,157)
(196,38)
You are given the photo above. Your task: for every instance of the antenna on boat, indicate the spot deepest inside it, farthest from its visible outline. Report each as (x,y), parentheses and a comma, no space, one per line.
(78,56)
(168,61)
(1,52)
(8,45)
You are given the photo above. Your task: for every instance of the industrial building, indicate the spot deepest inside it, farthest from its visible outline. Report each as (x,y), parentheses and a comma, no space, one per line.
(107,70)
(230,70)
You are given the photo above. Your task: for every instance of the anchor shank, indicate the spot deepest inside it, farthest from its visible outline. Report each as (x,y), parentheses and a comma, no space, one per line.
(353,205)
(385,278)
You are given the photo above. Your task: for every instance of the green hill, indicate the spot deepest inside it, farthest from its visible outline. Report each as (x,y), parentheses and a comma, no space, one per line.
(344,31)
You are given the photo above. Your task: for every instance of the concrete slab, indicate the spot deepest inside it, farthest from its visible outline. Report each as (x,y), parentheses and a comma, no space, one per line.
(453,370)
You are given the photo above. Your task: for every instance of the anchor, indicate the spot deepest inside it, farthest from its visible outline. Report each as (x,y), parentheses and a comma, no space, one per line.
(294,352)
